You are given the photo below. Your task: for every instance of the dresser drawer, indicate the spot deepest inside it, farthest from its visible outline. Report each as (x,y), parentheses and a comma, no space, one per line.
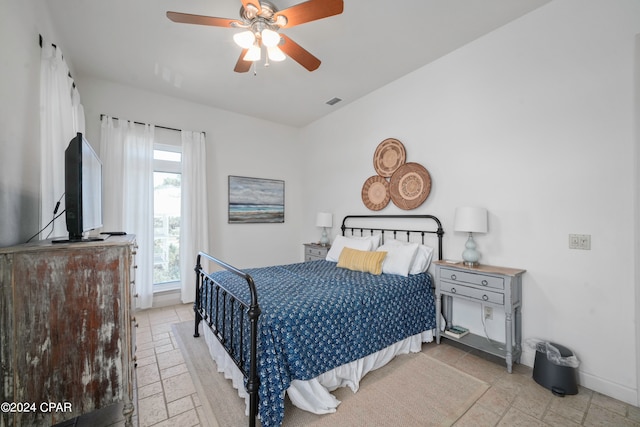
(472,278)
(471,292)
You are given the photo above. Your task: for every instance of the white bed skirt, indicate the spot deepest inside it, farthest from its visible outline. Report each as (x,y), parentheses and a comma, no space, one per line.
(314,395)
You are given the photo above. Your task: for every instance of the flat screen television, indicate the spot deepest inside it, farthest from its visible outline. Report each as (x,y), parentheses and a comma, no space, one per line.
(83,189)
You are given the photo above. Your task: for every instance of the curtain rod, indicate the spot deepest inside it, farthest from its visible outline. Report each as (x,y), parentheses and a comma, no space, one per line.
(40,41)
(158,126)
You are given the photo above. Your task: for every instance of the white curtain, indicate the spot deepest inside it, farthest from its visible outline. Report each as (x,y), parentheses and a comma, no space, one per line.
(61,117)
(126,151)
(194,230)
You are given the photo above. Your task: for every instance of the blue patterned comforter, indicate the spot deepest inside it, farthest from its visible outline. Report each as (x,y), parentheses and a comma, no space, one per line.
(316,317)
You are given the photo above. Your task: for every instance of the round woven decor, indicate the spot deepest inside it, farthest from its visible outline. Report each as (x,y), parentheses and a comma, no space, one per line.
(388,157)
(410,185)
(375,193)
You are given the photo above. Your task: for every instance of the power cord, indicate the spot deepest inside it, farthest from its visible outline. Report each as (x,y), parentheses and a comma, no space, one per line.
(55,211)
(486,334)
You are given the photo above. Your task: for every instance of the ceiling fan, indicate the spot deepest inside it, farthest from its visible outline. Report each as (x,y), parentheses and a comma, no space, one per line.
(262,22)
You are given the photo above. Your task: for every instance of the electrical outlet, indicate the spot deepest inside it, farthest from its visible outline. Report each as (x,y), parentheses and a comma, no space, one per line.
(580,241)
(488,313)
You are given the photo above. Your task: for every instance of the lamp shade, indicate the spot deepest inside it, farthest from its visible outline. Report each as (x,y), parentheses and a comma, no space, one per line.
(470,219)
(245,39)
(253,54)
(270,38)
(324,219)
(275,54)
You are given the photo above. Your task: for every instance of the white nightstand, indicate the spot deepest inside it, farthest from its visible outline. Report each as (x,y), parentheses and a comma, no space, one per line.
(487,285)
(315,251)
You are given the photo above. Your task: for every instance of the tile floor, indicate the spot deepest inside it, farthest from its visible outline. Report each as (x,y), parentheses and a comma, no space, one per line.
(166,393)
(167,396)
(517,400)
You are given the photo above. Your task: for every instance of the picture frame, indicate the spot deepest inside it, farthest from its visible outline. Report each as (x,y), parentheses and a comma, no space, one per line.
(255,200)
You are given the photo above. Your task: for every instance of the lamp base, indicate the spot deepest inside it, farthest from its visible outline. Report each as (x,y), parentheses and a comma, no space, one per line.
(470,255)
(324,240)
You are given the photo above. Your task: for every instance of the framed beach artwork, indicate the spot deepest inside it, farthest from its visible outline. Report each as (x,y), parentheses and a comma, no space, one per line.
(255,200)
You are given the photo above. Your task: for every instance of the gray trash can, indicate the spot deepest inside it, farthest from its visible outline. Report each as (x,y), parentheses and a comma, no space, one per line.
(555,368)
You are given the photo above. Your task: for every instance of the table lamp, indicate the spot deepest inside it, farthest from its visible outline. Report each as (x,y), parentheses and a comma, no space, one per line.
(470,220)
(324,220)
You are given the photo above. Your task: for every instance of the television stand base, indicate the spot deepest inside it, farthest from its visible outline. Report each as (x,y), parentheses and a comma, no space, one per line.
(83,240)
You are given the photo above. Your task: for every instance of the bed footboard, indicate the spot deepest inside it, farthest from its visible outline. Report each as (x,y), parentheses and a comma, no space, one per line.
(229,308)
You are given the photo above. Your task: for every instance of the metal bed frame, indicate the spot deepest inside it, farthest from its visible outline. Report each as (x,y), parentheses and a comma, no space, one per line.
(210,290)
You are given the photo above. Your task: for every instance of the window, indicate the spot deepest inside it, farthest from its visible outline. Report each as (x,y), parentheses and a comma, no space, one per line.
(166,216)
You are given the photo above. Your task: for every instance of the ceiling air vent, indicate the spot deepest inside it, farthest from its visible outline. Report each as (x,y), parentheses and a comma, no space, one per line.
(333,101)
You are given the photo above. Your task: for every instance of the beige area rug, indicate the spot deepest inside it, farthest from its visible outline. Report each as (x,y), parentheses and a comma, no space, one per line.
(412,390)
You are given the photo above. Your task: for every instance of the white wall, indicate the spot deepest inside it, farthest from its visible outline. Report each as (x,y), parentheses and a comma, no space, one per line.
(236,145)
(637,206)
(535,122)
(20,24)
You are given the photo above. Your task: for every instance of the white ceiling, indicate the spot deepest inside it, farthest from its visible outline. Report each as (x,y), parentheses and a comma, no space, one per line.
(369,45)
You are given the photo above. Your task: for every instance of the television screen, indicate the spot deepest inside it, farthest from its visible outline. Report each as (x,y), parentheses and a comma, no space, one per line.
(83,188)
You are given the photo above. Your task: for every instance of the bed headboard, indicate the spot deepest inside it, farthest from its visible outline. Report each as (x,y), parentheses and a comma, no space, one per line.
(368,225)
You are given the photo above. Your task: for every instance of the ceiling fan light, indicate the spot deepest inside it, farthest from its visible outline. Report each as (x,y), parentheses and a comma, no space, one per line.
(270,37)
(245,39)
(253,54)
(275,54)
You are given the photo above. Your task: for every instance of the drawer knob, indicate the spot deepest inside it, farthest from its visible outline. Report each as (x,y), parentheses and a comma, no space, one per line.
(453,277)
(484,283)
(485,298)
(453,290)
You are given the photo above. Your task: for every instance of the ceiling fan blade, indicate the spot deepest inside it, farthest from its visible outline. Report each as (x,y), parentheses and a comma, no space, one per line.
(254,3)
(242,66)
(186,18)
(299,54)
(310,10)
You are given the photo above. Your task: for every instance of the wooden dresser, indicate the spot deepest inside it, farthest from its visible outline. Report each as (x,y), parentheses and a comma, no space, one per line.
(67,330)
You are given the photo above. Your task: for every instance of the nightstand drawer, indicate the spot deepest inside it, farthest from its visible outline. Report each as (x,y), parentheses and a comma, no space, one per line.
(475,293)
(315,252)
(473,279)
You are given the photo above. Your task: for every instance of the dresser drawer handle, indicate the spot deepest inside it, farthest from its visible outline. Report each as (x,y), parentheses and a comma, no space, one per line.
(453,290)
(453,277)
(485,297)
(484,283)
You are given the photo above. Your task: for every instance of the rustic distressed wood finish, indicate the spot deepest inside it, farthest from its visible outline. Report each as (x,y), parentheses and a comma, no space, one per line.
(67,328)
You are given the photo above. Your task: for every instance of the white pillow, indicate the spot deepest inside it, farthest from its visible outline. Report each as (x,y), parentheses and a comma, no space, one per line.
(399,258)
(422,259)
(341,242)
(375,240)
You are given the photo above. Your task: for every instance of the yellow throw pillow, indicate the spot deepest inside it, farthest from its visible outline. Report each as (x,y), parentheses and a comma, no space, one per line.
(366,261)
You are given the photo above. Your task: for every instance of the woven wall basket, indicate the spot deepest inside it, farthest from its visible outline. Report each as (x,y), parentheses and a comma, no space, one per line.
(375,193)
(388,157)
(410,185)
